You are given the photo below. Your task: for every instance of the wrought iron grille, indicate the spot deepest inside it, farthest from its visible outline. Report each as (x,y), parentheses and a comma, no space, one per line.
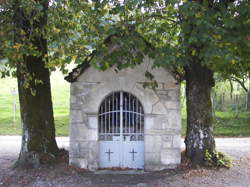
(121,115)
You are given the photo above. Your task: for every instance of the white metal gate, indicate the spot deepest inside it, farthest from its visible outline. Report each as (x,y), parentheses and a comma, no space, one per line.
(121,132)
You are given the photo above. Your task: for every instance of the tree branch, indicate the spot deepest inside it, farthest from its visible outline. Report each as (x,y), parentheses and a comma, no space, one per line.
(241,82)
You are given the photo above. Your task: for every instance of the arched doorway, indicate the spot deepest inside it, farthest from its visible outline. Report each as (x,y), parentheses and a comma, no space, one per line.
(121,132)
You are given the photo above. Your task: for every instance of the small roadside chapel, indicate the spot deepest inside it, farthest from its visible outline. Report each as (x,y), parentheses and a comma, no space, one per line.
(115,122)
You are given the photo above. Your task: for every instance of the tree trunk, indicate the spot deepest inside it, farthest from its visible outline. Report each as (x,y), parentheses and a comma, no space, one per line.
(199,136)
(38,136)
(248,93)
(248,100)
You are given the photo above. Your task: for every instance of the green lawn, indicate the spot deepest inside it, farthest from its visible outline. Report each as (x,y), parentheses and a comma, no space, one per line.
(60,97)
(231,124)
(226,123)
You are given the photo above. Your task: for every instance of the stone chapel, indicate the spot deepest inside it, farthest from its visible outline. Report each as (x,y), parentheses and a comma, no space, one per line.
(117,123)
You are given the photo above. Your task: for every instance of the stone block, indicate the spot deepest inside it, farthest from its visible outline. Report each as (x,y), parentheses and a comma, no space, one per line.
(81,100)
(84,145)
(161,92)
(75,106)
(170,156)
(76,89)
(79,162)
(174,94)
(165,124)
(84,109)
(171,85)
(173,130)
(72,99)
(78,131)
(152,158)
(172,104)
(72,90)
(160,86)
(167,138)
(138,88)
(152,132)
(93,155)
(162,95)
(174,119)
(177,141)
(79,151)
(84,153)
(75,150)
(159,121)
(159,108)
(149,141)
(93,166)
(89,85)
(85,118)
(76,116)
(149,122)
(94,99)
(167,141)
(92,135)
(93,122)
(155,167)
(166,145)
(93,151)
(153,143)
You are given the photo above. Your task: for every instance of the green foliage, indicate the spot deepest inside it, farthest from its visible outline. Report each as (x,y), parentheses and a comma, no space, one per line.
(217,159)
(73,30)
(152,83)
(217,33)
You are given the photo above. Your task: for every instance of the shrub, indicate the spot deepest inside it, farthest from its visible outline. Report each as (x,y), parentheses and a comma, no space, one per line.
(217,159)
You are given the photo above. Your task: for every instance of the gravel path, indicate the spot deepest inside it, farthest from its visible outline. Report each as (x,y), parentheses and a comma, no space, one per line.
(64,175)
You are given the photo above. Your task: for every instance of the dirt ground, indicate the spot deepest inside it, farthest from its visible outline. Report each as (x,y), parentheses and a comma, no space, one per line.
(62,175)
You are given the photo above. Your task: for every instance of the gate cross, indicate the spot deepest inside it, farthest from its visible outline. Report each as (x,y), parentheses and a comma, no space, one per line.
(109,152)
(133,154)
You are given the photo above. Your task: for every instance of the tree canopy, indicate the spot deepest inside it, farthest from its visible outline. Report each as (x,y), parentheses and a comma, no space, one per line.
(76,28)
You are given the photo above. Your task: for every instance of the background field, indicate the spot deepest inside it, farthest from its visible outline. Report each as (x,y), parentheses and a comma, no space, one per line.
(60,97)
(225,123)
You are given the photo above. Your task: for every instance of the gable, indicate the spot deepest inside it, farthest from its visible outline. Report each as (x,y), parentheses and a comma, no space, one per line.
(119,47)
(136,73)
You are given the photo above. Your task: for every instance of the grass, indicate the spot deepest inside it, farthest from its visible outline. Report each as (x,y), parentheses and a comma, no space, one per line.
(227,124)
(60,97)
(232,124)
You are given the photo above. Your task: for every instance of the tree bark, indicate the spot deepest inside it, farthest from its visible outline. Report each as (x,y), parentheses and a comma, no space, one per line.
(38,137)
(248,93)
(248,100)
(199,136)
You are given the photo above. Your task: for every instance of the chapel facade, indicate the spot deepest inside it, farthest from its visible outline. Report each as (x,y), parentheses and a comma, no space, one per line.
(117,122)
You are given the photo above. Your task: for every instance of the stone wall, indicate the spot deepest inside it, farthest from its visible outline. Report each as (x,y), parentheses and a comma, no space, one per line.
(161,108)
